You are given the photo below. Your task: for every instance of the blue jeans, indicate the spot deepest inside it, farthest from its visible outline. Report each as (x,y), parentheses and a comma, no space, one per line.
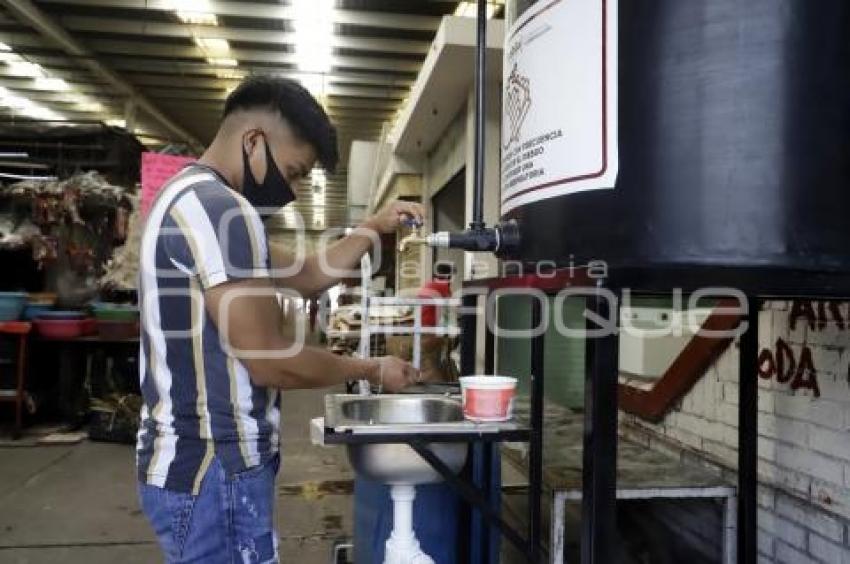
(230,521)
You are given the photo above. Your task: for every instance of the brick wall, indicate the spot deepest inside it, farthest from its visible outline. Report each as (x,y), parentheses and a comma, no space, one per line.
(804,430)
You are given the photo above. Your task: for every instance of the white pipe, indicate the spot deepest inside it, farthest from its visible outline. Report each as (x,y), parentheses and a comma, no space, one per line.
(403,497)
(363,386)
(402,547)
(417,338)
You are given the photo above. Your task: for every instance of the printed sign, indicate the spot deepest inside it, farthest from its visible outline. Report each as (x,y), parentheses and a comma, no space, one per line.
(559,112)
(156,171)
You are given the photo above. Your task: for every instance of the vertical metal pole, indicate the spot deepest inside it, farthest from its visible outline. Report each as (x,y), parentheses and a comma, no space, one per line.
(20,391)
(363,386)
(599,480)
(480,99)
(535,462)
(489,346)
(494,486)
(490,481)
(478,527)
(748,437)
(130,111)
(417,337)
(468,330)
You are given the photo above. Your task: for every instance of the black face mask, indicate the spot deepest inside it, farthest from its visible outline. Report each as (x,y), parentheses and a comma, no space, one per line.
(270,195)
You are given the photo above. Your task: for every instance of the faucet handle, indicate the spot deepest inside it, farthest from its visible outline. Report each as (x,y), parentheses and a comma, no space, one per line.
(410,221)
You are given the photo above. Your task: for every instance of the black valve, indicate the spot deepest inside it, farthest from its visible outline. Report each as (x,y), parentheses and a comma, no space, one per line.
(503,239)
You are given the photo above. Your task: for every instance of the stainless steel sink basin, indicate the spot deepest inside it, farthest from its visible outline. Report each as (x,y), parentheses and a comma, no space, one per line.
(396,463)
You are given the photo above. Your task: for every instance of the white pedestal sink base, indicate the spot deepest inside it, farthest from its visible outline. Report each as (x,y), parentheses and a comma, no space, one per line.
(402,547)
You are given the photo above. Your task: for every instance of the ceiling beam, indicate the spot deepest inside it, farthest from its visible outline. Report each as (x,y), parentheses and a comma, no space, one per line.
(33,16)
(62,98)
(273,37)
(29,85)
(207,108)
(171,66)
(167,71)
(212,82)
(274,12)
(166,51)
(349,91)
(357,103)
(22,41)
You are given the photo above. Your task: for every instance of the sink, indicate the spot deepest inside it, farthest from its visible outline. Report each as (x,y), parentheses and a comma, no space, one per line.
(396,463)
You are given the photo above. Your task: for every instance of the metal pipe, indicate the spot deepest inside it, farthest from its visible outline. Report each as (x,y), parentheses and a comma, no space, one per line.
(748,437)
(468,333)
(480,125)
(535,458)
(599,470)
(33,16)
(417,338)
(364,388)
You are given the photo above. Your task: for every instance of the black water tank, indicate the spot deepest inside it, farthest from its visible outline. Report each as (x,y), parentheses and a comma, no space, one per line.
(734,142)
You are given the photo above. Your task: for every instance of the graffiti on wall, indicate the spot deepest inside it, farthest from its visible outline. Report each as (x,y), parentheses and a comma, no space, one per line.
(797,369)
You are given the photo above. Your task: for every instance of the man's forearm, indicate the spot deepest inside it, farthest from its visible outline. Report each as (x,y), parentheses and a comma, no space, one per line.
(312,368)
(322,270)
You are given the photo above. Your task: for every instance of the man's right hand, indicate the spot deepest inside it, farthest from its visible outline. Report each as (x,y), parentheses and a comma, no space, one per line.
(393,374)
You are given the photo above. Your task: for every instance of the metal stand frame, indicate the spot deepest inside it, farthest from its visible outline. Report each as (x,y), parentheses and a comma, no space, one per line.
(748,437)
(599,470)
(598,536)
(468,491)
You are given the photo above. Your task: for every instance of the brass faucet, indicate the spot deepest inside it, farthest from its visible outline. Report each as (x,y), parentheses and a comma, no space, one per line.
(414,238)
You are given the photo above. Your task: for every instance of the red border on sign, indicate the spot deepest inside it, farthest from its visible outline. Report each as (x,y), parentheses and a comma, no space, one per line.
(604,168)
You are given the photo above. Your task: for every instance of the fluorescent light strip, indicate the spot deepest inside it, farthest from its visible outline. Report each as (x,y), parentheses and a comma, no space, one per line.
(222,62)
(213,45)
(23,106)
(51,84)
(26,177)
(469,9)
(25,69)
(199,13)
(314,27)
(42,80)
(194,12)
(230,74)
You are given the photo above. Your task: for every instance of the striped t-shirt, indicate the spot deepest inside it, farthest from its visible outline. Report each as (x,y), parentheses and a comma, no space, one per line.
(199,402)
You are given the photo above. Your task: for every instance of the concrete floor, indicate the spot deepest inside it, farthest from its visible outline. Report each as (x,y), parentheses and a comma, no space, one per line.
(77,504)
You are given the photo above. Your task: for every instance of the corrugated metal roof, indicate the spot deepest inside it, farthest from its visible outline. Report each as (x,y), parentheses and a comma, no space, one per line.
(378,47)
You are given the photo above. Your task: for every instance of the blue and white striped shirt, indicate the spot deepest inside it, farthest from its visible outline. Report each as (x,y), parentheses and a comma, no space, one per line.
(199,401)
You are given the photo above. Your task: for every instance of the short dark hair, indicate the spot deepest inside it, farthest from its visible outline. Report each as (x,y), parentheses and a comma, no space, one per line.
(296,105)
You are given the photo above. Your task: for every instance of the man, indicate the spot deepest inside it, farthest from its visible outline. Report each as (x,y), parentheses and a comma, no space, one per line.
(213,357)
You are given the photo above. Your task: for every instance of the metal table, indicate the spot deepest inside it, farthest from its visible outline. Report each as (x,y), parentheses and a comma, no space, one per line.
(482,436)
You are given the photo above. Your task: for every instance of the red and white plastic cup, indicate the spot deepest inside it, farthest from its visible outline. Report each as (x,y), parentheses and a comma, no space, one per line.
(488,398)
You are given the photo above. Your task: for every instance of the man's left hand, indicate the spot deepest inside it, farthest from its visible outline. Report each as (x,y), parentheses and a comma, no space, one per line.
(390,218)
